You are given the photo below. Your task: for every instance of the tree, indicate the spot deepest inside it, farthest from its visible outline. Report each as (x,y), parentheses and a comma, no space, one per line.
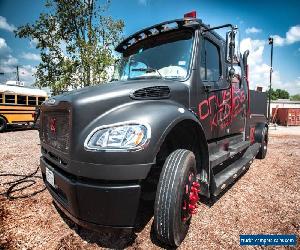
(76,42)
(295,97)
(282,94)
(279,94)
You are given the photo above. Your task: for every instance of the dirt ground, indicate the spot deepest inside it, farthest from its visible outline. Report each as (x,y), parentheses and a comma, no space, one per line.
(265,200)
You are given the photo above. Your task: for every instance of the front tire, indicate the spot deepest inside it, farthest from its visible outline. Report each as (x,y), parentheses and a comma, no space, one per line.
(3,124)
(176,197)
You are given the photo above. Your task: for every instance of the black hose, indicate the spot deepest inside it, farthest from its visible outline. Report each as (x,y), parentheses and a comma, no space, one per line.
(30,179)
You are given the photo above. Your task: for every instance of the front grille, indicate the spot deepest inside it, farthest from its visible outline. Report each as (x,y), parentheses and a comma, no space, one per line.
(155,92)
(56,128)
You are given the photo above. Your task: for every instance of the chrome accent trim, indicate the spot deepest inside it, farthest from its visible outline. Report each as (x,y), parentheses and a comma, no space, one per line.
(50,101)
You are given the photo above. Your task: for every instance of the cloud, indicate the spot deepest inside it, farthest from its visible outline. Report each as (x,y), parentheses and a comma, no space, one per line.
(6,60)
(9,60)
(8,64)
(259,71)
(27,74)
(4,49)
(253,30)
(291,36)
(5,25)
(256,48)
(33,42)
(278,40)
(142,2)
(8,67)
(31,56)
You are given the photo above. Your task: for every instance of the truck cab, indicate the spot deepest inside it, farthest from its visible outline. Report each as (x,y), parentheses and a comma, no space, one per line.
(174,123)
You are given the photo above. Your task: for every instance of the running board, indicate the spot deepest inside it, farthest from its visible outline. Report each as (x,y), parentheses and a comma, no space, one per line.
(222,155)
(228,175)
(235,148)
(219,157)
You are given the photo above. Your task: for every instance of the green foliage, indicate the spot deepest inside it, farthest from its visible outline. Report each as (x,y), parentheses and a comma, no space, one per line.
(76,41)
(295,97)
(279,94)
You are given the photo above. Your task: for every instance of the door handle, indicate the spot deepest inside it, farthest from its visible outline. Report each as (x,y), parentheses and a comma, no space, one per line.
(207,87)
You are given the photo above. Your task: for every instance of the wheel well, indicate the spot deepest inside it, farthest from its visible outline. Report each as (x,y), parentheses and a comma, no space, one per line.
(188,135)
(4,118)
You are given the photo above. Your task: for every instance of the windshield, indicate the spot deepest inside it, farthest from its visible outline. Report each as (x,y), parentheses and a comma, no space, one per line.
(165,56)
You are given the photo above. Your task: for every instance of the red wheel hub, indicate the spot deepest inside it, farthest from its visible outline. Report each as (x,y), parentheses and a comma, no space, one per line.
(194,198)
(190,197)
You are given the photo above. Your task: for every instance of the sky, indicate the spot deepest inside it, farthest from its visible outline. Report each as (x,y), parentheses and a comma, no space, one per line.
(256,19)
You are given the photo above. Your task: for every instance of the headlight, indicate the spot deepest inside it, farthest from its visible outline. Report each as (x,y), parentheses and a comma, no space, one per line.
(125,136)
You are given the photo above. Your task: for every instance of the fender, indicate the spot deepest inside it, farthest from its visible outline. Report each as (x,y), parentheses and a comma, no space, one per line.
(161,115)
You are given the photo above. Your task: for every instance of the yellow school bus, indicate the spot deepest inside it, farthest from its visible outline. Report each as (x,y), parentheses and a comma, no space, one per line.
(18,104)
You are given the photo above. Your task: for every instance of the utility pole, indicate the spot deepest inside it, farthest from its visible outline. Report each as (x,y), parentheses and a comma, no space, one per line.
(18,77)
(271,71)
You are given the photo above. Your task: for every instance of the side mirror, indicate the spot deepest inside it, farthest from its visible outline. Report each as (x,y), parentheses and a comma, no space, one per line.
(232,47)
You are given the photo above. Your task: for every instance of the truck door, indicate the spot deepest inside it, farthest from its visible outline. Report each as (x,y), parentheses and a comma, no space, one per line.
(211,79)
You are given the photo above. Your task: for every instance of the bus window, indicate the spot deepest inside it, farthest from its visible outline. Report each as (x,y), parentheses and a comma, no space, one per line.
(1,99)
(41,100)
(21,99)
(31,100)
(10,99)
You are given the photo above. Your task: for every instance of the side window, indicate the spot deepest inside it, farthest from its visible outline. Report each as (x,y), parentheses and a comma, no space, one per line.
(41,100)
(31,100)
(210,62)
(10,99)
(1,99)
(21,99)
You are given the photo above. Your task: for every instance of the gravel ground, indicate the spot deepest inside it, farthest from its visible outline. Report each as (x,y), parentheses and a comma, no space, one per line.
(265,200)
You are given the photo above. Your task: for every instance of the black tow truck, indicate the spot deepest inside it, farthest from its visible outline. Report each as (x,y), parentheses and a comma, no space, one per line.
(177,120)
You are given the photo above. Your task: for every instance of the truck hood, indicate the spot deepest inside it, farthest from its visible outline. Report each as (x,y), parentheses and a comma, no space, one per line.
(115,93)
(90,102)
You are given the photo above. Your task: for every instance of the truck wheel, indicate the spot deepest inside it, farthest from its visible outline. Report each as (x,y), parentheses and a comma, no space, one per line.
(264,145)
(3,124)
(176,197)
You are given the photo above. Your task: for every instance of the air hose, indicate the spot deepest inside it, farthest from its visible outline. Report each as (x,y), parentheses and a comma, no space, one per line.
(14,186)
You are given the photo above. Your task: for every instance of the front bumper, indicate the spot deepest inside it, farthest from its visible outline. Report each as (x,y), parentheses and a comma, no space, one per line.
(92,203)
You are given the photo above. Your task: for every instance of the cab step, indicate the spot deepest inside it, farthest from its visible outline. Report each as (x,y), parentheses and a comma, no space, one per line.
(225,149)
(238,147)
(218,157)
(224,178)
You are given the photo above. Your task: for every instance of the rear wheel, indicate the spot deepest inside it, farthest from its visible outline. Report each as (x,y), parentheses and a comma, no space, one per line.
(3,124)
(176,197)
(264,145)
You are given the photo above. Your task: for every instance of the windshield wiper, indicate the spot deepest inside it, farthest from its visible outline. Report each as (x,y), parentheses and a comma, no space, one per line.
(114,80)
(148,70)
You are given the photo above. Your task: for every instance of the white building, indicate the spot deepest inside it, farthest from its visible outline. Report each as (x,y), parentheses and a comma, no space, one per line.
(284,103)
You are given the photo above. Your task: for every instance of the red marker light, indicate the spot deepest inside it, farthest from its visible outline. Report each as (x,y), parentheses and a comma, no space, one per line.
(192,14)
